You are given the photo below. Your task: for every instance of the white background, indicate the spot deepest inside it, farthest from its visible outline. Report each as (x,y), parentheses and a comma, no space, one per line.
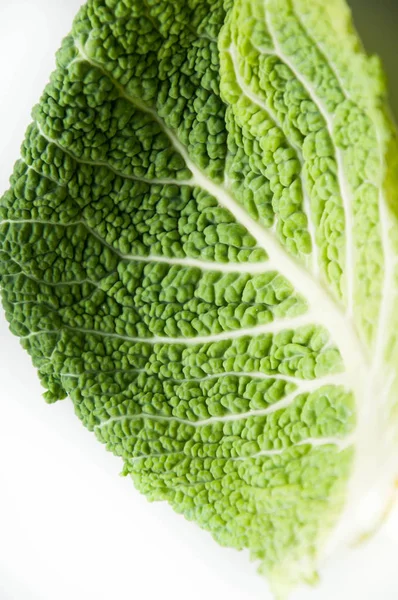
(70,528)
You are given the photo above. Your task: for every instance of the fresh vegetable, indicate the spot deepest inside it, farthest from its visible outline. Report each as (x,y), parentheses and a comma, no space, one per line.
(199,250)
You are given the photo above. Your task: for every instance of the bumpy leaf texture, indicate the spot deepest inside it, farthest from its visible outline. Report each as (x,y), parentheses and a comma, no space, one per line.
(199,249)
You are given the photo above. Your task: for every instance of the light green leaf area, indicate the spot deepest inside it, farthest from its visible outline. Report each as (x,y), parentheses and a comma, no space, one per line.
(199,249)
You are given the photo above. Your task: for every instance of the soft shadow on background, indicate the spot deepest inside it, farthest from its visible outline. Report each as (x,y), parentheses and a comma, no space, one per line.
(377,23)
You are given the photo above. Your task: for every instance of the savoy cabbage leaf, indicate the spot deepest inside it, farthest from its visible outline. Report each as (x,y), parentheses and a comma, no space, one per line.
(199,249)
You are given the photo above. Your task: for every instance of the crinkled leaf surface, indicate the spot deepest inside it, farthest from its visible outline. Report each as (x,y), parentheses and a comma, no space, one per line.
(198,248)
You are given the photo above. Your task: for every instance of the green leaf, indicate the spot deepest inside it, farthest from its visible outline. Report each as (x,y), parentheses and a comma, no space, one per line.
(199,249)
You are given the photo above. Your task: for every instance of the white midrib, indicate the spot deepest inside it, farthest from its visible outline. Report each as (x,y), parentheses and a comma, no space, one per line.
(361,372)
(322,309)
(371,488)
(372,485)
